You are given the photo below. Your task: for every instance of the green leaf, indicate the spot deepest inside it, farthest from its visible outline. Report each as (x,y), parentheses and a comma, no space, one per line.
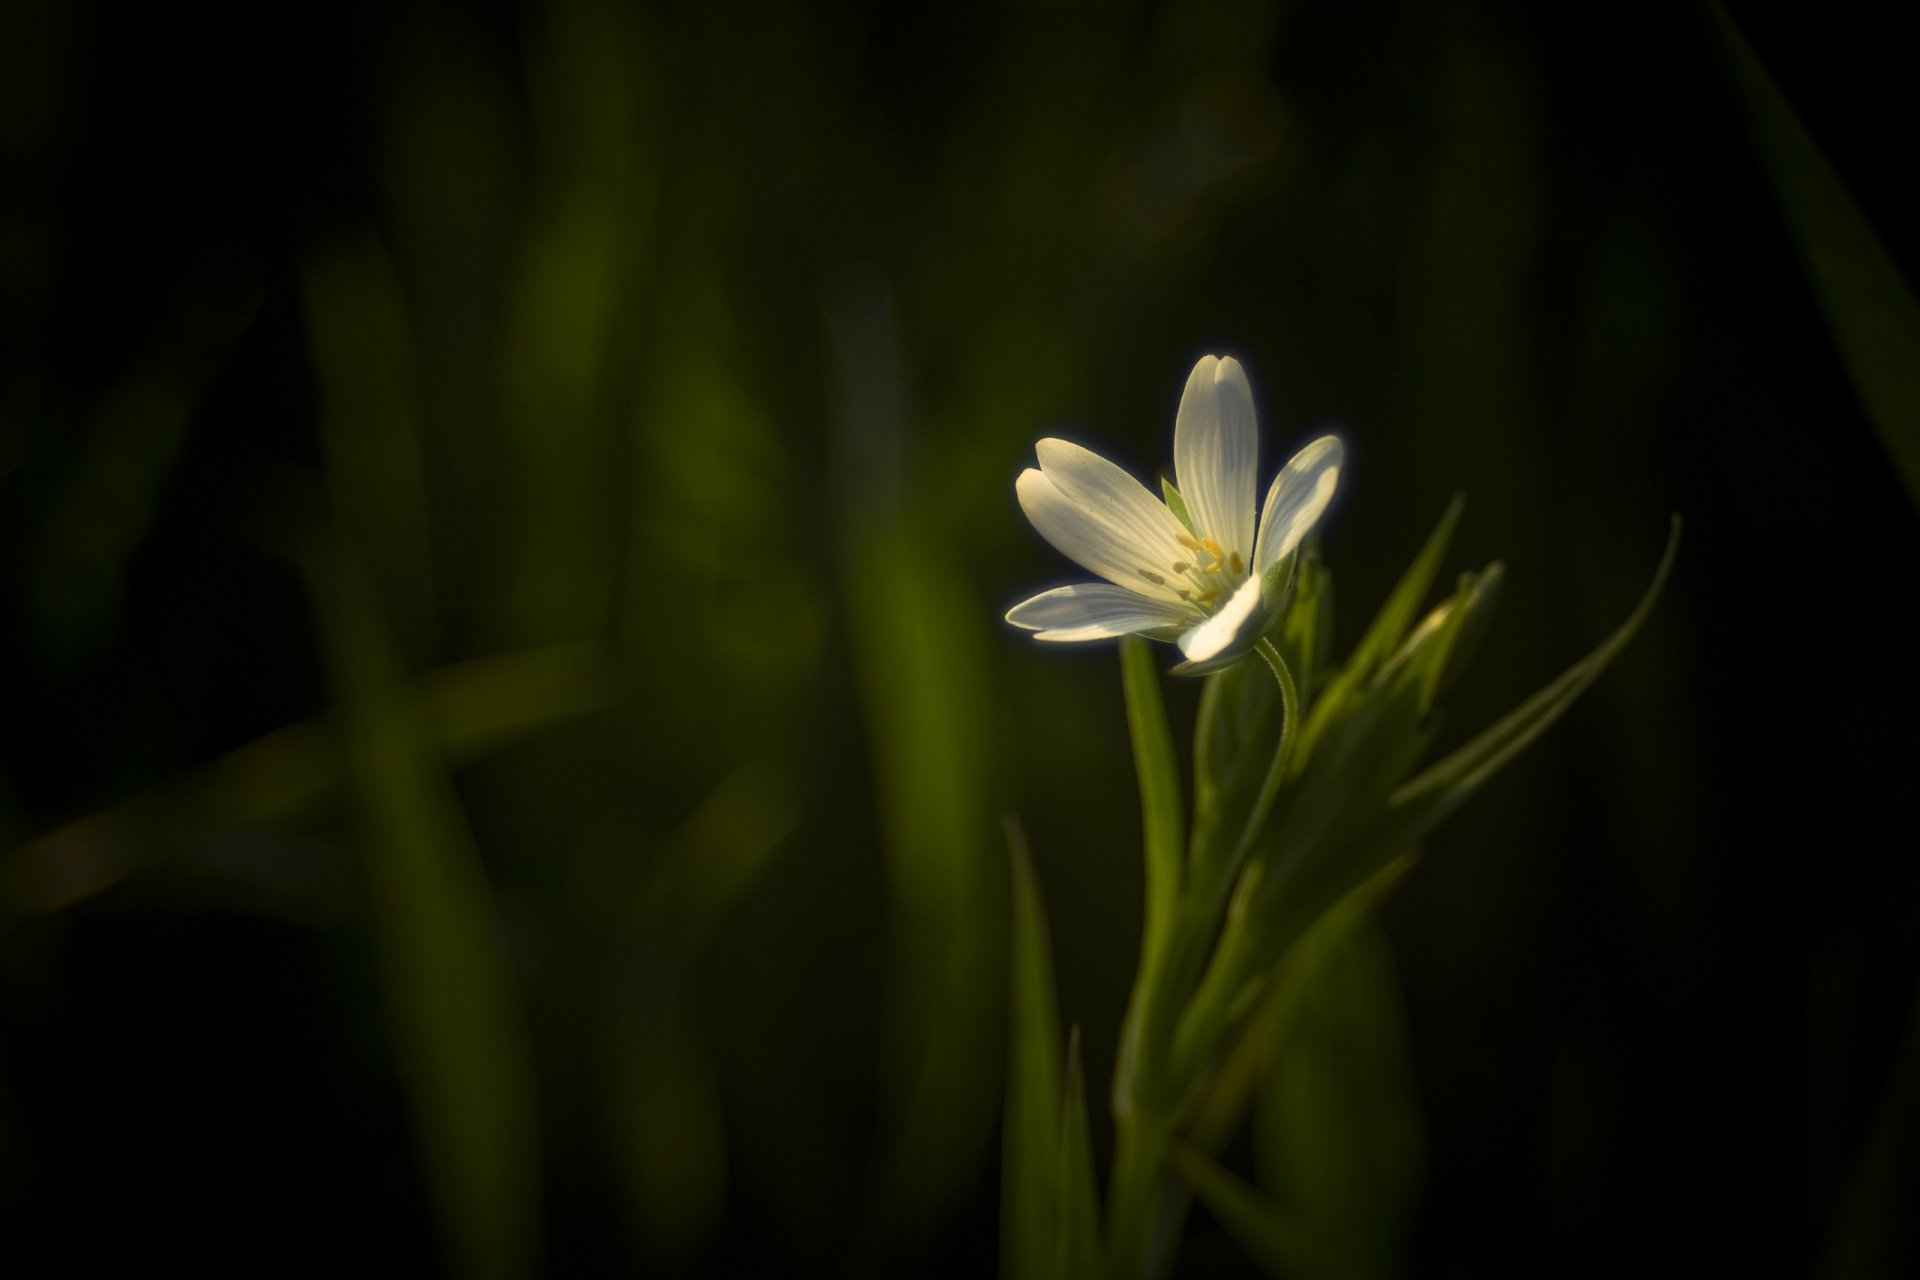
(463,1051)
(1386,632)
(1276,1239)
(1222,1105)
(920,645)
(469,709)
(1079,1203)
(1161,820)
(1426,799)
(1479,595)
(1870,309)
(1337,1131)
(1031,1159)
(1307,625)
(1417,807)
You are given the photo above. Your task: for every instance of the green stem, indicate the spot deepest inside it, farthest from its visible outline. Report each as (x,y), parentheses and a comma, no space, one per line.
(1282,757)
(1139,1166)
(1144,1123)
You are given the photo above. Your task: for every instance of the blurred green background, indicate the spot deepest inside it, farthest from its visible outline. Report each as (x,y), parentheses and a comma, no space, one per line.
(505,515)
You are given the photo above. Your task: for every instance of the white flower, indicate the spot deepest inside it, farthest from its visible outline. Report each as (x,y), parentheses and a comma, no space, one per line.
(1200,587)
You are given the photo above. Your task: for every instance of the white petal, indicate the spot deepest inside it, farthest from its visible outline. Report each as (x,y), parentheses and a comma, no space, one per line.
(1216,453)
(1094,611)
(1093,539)
(1108,494)
(1236,627)
(1297,500)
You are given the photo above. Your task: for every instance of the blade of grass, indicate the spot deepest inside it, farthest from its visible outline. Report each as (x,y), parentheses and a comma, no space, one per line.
(463,1052)
(1870,309)
(1032,1147)
(1079,1202)
(919,644)
(468,708)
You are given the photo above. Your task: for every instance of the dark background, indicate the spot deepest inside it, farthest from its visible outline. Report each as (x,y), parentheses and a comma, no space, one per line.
(716,335)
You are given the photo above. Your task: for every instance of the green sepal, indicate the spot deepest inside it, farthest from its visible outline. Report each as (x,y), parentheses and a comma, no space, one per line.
(1176,504)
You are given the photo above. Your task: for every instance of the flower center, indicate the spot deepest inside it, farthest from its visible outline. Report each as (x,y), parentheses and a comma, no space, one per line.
(1212,572)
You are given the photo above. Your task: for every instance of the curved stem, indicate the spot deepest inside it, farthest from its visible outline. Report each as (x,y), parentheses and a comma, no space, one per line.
(1282,756)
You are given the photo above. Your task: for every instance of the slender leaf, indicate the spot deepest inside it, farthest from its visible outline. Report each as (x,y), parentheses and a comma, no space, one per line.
(1031,1146)
(1337,1129)
(1421,804)
(920,644)
(1222,1104)
(1869,307)
(1163,825)
(1384,635)
(1079,1203)
(463,1050)
(1440,788)
(468,709)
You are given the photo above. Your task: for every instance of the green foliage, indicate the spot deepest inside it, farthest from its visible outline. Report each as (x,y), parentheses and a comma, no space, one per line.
(1336,1122)
(1869,307)
(1161,820)
(1033,1154)
(456,1017)
(1263,982)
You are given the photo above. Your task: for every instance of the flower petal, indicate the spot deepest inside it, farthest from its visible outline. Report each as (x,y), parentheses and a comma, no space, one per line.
(1095,611)
(1297,500)
(1216,453)
(1230,632)
(1110,496)
(1092,538)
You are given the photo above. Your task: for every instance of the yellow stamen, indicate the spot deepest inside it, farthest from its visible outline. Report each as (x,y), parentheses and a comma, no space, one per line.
(1213,547)
(1239,565)
(1186,541)
(1208,595)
